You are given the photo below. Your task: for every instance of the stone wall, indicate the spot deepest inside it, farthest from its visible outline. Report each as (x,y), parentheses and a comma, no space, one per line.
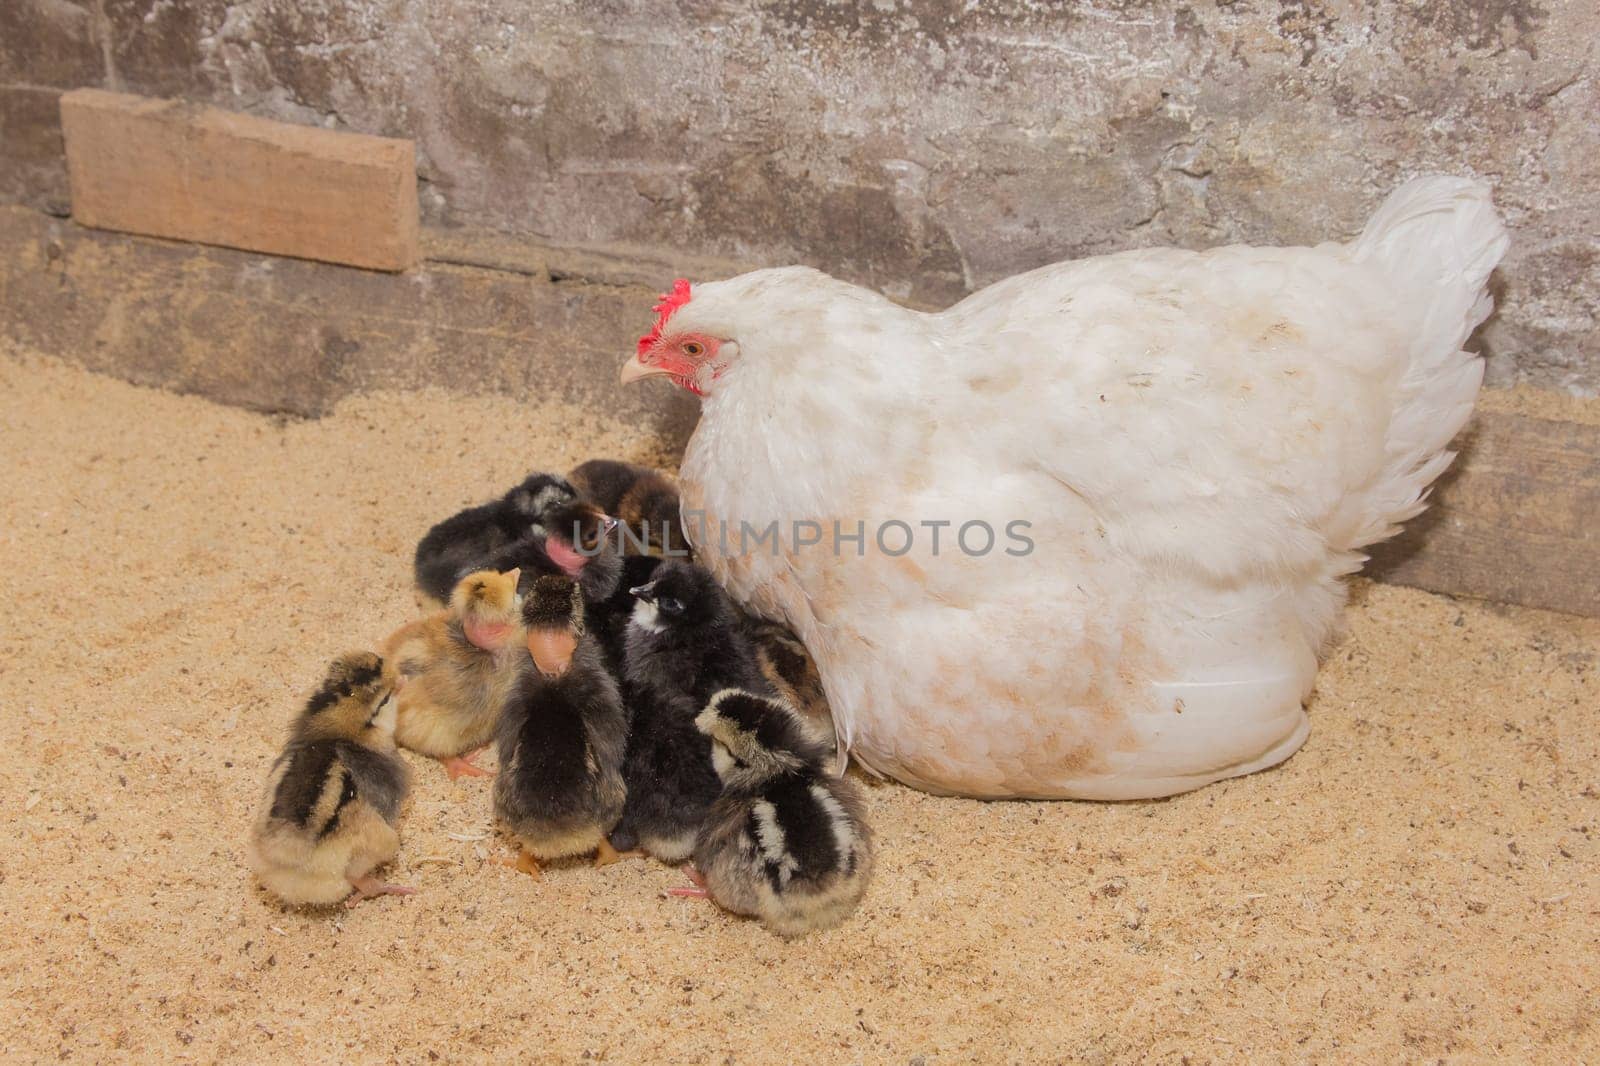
(925,147)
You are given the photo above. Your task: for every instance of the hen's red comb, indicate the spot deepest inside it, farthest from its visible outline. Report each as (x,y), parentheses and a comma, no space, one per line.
(670,302)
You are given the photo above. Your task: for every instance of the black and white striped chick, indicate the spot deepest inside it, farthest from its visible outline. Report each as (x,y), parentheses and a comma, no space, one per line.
(786,842)
(561,737)
(645,501)
(327,819)
(685,642)
(474,538)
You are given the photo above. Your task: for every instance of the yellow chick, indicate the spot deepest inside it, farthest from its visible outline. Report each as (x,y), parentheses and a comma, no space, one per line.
(453,671)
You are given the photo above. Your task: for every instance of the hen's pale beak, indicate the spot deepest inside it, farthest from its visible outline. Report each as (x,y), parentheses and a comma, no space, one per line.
(633,370)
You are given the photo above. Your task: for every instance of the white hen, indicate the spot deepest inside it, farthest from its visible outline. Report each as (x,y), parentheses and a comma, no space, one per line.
(1200,443)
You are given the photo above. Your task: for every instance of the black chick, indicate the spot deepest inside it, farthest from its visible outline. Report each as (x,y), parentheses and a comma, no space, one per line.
(685,642)
(603,572)
(574,540)
(561,737)
(472,539)
(609,616)
(786,841)
(645,501)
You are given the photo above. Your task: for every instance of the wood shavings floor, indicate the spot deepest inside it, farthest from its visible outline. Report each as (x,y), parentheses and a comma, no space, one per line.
(1419,883)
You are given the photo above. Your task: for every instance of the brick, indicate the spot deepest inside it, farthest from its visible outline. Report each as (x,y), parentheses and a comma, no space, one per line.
(32,169)
(49,44)
(183,171)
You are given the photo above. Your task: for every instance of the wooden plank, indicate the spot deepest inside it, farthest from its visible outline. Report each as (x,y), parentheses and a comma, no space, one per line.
(1516,519)
(172,169)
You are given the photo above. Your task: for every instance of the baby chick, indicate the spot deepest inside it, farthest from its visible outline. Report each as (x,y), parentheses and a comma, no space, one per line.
(562,736)
(573,541)
(327,819)
(453,670)
(602,572)
(786,842)
(685,642)
(608,617)
(470,540)
(644,500)
(791,670)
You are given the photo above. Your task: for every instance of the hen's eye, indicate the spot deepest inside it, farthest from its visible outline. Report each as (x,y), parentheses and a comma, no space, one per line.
(693,348)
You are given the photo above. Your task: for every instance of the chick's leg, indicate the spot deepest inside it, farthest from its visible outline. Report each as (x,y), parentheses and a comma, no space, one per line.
(463,766)
(370,887)
(695,891)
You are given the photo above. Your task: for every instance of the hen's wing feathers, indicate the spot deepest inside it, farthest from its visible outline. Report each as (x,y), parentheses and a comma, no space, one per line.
(1209,408)
(1246,410)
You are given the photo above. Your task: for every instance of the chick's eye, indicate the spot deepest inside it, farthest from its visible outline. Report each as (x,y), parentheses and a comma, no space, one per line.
(693,348)
(672,605)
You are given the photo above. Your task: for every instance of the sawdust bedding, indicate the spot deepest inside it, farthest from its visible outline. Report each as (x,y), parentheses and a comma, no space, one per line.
(1418,883)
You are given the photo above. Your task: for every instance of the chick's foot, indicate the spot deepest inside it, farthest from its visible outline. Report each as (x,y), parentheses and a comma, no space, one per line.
(695,891)
(605,854)
(370,887)
(463,766)
(523,862)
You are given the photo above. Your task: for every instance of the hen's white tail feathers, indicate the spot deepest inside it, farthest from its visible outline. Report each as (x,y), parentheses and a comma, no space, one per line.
(1435,240)
(1434,243)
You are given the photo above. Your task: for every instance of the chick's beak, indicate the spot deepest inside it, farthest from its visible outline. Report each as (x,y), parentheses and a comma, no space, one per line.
(647,593)
(633,370)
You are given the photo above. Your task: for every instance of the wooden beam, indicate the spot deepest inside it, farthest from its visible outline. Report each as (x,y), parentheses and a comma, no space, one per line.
(178,170)
(294,336)
(1516,519)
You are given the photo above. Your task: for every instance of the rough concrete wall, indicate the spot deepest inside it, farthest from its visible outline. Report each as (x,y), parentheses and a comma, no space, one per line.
(923,147)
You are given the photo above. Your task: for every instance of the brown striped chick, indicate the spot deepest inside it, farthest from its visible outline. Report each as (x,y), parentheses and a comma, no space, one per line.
(561,739)
(643,500)
(786,842)
(453,671)
(791,670)
(327,818)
